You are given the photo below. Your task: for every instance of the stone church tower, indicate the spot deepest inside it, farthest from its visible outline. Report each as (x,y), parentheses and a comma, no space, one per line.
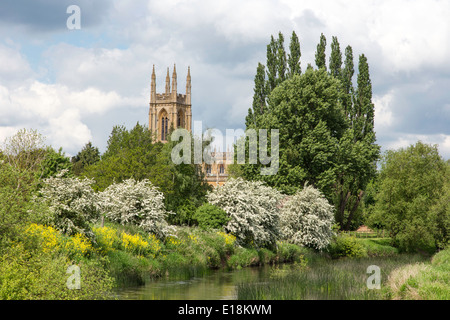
(169,109)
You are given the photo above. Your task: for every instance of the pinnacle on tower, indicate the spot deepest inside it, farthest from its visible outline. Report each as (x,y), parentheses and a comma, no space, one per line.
(188,86)
(174,80)
(167,81)
(153,86)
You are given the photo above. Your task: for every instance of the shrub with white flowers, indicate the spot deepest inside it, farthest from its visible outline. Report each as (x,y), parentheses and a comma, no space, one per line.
(138,203)
(252,209)
(306,218)
(72,204)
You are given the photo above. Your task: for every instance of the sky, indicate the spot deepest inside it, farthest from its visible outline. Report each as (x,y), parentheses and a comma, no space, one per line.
(74,85)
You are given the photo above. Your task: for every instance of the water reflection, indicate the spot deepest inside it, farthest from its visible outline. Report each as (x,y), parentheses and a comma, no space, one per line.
(214,285)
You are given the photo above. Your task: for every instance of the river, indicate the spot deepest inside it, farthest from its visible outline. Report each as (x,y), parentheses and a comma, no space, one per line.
(214,285)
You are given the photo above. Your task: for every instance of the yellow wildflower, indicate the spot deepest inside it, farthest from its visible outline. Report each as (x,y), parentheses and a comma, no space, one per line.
(79,245)
(48,237)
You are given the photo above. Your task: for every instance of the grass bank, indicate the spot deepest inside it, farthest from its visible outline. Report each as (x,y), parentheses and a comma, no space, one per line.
(134,257)
(422,280)
(323,279)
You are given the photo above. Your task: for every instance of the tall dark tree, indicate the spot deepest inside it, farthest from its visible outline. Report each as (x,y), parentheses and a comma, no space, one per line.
(363,113)
(281,59)
(320,53)
(271,65)
(88,155)
(358,151)
(335,59)
(259,97)
(335,150)
(346,79)
(294,56)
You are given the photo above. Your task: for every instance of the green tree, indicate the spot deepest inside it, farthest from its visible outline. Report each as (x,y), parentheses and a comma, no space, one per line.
(320,53)
(294,56)
(335,59)
(20,160)
(87,156)
(272,68)
(281,59)
(129,154)
(133,154)
(306,110)
(53,163)
(259,97)
(346,79)
(358,152)
(411,183)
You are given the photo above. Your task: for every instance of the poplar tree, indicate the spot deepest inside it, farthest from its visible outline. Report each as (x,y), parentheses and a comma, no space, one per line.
(358,152)
(294,56)
(320,53)
(363,108)
(271,65)
(346,79)
(281,59)
(335,59)
(259,97)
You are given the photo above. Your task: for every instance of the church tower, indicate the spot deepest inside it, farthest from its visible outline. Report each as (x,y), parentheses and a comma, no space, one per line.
(169,109)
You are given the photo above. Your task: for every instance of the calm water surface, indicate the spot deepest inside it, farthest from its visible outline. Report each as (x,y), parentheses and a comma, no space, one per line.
(214,285)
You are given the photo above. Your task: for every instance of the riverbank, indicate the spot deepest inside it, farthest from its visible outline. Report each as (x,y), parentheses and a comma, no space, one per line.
(124,256)
(190,252)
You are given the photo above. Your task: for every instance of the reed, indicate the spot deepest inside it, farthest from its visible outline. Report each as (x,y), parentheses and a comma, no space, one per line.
(343,279)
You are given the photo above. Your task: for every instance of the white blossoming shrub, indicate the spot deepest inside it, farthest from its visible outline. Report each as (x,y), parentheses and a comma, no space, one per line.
(306,218)
(252,208)
(138,203)
(72,204)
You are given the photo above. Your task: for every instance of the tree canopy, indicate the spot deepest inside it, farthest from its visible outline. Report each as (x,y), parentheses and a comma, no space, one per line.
(326,125)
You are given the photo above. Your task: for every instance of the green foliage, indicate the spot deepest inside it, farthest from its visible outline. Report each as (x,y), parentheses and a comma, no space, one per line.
(326,127)
(379,247)
(25,150)
(422,281)
(53,163)
(129,154)
(347,246)
(411,185)
(335,59)
(209,216)
(294,56)
(320,53)
(306,110)
(87,156)
(132,154)
(16,190)
(35,275)
(184,214)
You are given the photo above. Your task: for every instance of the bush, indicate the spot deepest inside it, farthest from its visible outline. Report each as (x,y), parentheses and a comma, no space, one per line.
(243,257)
(184,214)
(346,246)
(412,199)
(307,219)
(209,216)
(252,209)
(35,275)
(137,203)
(73,204)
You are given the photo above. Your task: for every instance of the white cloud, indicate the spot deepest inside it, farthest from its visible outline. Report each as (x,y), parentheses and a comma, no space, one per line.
(405,42)
(57,111)
(383,111)
(14,67)
(405,140)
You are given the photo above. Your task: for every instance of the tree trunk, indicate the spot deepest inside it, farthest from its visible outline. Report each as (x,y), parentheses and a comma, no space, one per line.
(354,208)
